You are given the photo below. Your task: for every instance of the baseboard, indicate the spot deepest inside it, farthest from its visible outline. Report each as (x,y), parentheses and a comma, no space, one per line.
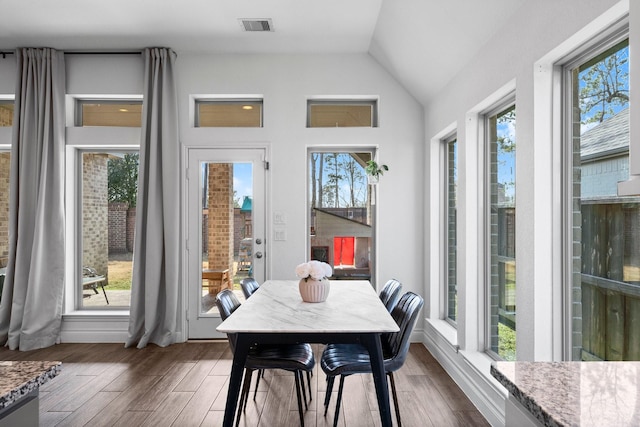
(484,391)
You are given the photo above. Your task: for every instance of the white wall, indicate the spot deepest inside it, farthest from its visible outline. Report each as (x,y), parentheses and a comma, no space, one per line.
(508,59)
(286,81)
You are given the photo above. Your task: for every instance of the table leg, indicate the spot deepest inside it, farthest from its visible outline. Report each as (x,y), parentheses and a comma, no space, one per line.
(373,345)
(239,360)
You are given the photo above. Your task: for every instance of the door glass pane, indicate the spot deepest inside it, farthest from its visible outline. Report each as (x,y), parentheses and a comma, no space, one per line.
(606,226)
(109,195)
(502,192)
(226,229)
(341,214)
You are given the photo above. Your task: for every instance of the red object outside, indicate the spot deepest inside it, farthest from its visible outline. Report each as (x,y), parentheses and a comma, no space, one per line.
(343,250)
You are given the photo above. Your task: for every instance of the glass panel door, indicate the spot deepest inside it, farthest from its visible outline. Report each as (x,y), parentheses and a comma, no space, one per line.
(226,229)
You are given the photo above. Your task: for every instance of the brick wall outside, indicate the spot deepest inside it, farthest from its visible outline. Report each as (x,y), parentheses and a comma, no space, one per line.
(118,227)
(220,218)
(131,228)
(95,217)
(5,161)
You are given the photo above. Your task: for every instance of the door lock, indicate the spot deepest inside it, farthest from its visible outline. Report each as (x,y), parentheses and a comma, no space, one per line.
(258,241)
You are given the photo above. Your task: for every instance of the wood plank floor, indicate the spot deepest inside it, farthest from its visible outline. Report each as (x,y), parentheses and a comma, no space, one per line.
(186,385)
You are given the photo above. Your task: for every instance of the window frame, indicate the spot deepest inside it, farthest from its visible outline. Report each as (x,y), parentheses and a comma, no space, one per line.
(586,52)
(8,101)
(503,105)
(80,139)
(366,101)
(79,102)
(235,100)
(446,142)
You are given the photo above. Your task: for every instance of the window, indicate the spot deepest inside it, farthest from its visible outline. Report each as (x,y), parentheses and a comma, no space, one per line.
(501,233)
(341,214)
(338,113)
(451,183)
(229,113)
(109,113)
(602,229)
(6,112)
(108,200)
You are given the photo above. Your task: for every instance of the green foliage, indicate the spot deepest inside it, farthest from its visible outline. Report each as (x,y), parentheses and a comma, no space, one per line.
(374,169)
(605,88)
(506,342)
(123,179)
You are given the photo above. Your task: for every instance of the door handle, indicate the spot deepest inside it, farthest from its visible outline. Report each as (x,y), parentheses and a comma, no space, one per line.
(258,254)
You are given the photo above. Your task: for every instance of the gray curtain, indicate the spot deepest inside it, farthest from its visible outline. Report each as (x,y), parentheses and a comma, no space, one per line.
(31,309)
(156,258)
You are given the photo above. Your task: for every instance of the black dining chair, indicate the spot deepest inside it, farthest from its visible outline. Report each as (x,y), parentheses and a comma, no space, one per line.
(249,286)
(390,294)
(349,359)
(290,357)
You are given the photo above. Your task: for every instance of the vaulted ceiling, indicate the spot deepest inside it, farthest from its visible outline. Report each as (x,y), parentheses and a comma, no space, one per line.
(423,43)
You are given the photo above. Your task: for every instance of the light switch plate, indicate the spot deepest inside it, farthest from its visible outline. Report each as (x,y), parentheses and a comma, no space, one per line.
(280,234)
(279,217)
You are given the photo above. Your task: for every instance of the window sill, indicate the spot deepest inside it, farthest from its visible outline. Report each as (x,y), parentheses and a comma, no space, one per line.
(446,331)
(96,314)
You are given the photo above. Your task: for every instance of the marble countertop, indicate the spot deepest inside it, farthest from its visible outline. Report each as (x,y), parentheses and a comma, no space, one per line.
(19,378)
(276,307)
(575,393)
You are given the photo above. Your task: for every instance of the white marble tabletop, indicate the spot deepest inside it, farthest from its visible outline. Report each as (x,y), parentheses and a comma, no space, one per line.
(276,307)
(586,394)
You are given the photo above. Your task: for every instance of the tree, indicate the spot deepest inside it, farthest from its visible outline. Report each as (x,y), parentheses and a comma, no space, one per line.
(604,88)
(123,179)
(333,185)
(354,178)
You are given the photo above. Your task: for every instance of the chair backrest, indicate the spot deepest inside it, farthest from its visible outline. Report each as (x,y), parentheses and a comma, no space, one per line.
(405,314)
(390,294)
(249,286)
(227,303)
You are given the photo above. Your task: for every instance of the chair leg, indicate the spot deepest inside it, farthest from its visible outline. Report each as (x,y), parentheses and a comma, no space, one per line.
(260,374)
(304,391)
(298,385)
(395,397)
(327,396)
(309,385)
(337,414)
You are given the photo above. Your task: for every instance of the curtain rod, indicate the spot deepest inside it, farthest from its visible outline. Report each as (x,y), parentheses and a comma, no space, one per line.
(4,53)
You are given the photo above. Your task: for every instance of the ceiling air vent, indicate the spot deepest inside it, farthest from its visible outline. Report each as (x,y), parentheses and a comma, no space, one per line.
(256,24)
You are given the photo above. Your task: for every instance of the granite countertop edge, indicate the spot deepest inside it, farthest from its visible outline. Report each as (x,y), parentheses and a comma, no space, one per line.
(530,404)
(29,385)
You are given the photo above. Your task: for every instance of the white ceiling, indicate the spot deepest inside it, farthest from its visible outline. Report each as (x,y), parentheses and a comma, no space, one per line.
(421,42)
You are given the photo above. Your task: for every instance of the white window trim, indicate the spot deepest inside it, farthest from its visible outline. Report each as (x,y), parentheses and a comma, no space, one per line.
(372,100)
(507,102)
(551,304)
(77,140)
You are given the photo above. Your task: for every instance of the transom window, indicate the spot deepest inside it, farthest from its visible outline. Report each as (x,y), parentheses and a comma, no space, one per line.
(342,113)
(228,113)
(126,113)
(6,112)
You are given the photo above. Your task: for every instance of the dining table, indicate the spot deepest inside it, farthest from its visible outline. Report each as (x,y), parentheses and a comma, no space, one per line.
(276,314)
